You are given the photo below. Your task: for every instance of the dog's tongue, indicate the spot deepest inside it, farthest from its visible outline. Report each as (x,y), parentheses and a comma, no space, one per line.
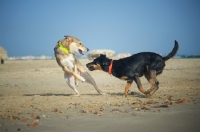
(81,52)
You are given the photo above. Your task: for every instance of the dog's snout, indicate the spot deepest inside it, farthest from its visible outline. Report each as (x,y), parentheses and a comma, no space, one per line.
(87,65)
(87,49)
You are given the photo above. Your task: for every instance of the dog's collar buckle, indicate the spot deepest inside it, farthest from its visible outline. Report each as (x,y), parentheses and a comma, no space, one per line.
(110,67)
(63,48)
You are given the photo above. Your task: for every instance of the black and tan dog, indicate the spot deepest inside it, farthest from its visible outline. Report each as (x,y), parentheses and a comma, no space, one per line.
(131,68)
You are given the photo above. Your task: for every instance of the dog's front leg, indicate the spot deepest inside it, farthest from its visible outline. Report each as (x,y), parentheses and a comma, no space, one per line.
(65,69)
(127,87)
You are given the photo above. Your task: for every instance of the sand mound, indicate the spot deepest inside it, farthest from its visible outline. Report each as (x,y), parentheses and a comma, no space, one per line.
(3,53)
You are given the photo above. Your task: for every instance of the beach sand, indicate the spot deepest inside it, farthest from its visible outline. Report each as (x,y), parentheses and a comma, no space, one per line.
(35,97)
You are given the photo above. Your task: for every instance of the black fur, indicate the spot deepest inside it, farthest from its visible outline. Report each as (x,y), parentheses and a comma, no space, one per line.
(134,66)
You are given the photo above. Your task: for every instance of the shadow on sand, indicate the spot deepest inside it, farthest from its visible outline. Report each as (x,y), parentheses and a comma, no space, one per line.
(53,94)
(133,94)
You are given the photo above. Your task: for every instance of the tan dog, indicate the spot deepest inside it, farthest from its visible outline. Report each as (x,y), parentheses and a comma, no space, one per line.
(73,70)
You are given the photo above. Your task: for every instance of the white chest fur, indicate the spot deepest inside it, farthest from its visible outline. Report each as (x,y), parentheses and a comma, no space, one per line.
(68,62)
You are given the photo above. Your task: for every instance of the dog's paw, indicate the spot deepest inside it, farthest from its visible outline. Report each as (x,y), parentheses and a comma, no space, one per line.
(77,95)
(148,95)
(124,95)
(82,79)
(77,84)
(102,93)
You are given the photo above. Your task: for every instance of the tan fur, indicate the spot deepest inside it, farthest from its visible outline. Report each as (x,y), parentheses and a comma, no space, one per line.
(124,77)
(60,55)
(97,67)
(127,87)
(70,63)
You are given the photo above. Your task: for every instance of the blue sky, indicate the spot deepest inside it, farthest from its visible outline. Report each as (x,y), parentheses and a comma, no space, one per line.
(32,27)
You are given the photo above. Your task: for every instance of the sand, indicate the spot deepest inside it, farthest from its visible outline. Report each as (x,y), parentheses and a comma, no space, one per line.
(35,97)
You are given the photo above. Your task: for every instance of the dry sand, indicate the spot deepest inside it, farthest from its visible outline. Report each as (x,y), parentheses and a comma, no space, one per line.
(35,97)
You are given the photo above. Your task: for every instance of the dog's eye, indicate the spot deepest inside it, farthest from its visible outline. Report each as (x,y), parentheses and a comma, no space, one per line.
(80,43)
(96,62)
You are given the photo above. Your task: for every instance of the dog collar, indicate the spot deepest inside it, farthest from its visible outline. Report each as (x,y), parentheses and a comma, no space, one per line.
(63,48)
(110,67)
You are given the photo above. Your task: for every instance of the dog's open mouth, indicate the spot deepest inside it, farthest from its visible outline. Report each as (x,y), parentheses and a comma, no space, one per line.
(91,68)
(80,51)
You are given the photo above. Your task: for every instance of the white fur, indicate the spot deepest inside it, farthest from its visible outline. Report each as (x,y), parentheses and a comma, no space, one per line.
(71,82)
(68,62)
(85,77)
(73,48)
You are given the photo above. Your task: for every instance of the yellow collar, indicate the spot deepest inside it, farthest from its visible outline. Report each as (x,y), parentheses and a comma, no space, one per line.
(63,48)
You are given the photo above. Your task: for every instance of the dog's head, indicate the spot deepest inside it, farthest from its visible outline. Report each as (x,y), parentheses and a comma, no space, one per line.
(74,45)
(100,63)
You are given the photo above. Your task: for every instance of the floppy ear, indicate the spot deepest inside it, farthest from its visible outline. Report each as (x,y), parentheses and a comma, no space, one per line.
(101,55)
(68,38)
(106,63)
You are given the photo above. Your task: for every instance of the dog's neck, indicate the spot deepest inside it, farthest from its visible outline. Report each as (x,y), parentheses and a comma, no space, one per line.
(63,48)
(110,67)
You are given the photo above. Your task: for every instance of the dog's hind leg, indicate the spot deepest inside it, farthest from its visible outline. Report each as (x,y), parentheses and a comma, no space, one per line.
(139,85)
(70,79)
(151,77)
(76,71)
(127,87)
(90,80)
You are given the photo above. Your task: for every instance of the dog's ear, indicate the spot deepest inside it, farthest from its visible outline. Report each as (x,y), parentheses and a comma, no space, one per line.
(101,55)
(106,63)
(105,60)
(68,38)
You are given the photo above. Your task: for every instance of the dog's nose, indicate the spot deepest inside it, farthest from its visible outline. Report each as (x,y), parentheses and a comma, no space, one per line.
(87,49)
(88,65)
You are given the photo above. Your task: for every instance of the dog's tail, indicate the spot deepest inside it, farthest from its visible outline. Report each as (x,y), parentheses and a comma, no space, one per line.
(172,53)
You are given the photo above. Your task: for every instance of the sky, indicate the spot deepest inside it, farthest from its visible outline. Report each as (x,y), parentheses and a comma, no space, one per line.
(32,27)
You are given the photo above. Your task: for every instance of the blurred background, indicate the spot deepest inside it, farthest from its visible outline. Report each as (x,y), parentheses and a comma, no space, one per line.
(32,27)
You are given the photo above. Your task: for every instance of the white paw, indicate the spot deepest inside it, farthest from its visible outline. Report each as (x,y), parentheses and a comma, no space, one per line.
(77,95)
(102,93)
(77,84)
(82,79)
